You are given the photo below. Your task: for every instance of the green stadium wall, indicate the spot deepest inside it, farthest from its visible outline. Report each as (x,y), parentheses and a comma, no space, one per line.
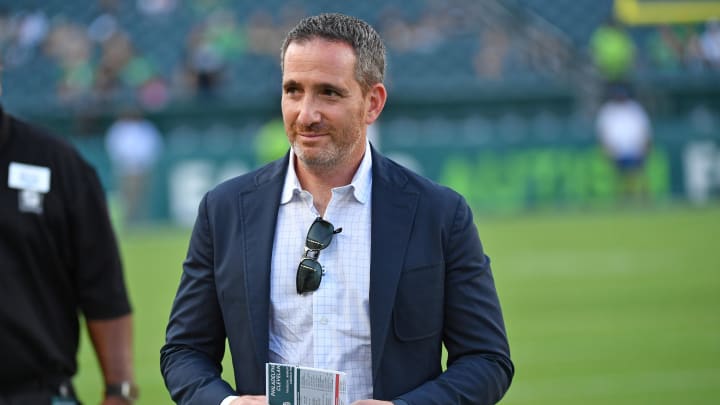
(507,175)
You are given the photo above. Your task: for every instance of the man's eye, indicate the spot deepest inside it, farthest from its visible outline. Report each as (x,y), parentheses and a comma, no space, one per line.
(330,92)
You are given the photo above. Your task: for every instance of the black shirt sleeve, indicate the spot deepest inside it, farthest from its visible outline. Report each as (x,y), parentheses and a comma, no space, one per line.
(98,270)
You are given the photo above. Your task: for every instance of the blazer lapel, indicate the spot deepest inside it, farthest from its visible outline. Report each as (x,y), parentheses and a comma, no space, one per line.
(259,207)
(393,214)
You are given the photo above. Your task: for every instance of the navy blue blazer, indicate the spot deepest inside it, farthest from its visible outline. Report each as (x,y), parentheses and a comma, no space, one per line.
(430,283)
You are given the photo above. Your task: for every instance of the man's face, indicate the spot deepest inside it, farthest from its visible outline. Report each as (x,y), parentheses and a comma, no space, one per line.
(323,106)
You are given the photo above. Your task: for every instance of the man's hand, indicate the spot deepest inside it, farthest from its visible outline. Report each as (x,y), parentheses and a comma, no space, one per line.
(250,400)
(371,402)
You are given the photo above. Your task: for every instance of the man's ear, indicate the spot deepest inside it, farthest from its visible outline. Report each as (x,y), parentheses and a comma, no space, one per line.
(377,95)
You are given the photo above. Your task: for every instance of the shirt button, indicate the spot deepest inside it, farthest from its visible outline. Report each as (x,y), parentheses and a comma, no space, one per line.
(323,320)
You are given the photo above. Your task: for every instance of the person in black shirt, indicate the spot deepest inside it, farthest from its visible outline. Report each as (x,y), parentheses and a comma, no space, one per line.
(58,257)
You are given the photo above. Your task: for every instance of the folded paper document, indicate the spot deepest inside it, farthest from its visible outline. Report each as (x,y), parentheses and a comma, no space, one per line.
(286,384)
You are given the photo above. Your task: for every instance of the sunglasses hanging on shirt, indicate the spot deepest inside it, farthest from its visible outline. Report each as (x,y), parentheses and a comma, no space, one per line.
(310,271)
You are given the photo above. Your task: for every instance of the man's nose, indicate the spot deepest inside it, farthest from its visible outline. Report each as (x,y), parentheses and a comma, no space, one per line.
(309,113)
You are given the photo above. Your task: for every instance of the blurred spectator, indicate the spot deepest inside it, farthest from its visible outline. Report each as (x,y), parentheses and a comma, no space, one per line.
(211,46)
(264,33)
(116,53)
(102,28)
(204,7)
(675,48)
(493,50)
(613,52)
(545,52)
(710,43)
(134,146)
(693,55)
(154,93)
(156,7)
(270,142)
(289,14)
(428,32)
(624,131)
(71,48)
(203,66)
(6,28)
(137,71)
(395,28)
(424,35)
(263,36)
(665,49)
(25,31)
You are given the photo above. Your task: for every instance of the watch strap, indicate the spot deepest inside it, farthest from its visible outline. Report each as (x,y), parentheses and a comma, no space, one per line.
(125,390)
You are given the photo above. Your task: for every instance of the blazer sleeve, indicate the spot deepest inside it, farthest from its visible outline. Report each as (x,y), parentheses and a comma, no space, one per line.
(479,369)
(191,358)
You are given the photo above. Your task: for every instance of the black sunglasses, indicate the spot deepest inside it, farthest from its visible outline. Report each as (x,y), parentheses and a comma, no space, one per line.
(310,272)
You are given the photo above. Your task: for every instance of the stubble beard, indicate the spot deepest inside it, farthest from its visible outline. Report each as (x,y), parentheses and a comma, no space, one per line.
(323,159)
(335,154)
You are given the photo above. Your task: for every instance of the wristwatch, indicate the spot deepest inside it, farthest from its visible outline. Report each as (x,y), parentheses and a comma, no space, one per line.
(125,390)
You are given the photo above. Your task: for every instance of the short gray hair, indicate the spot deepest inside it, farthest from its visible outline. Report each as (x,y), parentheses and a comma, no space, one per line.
(365,41)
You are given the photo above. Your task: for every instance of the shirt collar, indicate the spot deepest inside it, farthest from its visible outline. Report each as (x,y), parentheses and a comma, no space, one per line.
(361,183)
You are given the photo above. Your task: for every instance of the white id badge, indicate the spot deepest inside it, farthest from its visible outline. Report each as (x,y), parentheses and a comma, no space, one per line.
(22,176)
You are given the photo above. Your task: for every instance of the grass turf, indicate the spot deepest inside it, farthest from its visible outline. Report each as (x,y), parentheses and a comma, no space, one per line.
(617,307)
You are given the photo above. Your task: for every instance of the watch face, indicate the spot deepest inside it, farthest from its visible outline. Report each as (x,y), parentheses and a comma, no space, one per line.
(129,391)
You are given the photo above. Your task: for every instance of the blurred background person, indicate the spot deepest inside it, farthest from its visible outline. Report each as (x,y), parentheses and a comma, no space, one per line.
(58,259)
(134,145)
(270,143)
(710,43)
(624,131)
(613,52)
(212,45)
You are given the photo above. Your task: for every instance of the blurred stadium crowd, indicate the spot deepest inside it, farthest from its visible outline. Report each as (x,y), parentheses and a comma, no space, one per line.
(161,51)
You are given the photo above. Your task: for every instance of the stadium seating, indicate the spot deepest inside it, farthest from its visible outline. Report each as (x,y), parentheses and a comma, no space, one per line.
(464,50)
(162,41)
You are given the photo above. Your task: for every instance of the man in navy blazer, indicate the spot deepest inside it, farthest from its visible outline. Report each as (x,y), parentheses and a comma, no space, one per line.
(429,281)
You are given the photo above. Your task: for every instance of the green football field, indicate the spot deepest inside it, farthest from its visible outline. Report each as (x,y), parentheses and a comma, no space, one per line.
(615,307)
